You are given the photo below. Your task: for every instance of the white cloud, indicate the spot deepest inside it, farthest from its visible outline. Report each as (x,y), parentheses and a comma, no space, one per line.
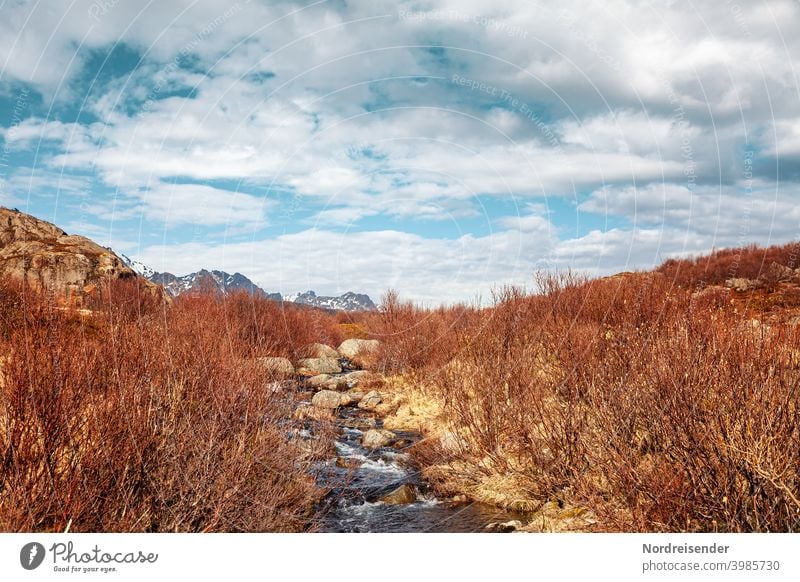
(199,204)
(430,270)
(34,131)
(240,127)
(352,108)
(726,215)
(35,181)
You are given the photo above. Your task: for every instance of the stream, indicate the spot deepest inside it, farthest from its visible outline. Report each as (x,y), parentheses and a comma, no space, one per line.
(357,477)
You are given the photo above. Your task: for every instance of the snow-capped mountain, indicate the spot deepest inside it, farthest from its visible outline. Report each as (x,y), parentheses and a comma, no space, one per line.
(137,266)
(203,280)
(218,281)
(222,282)
(347,302)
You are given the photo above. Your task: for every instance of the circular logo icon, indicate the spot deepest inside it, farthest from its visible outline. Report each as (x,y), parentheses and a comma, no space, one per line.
(31,555)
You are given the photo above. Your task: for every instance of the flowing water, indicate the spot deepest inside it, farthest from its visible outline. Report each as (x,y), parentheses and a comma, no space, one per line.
(362,476)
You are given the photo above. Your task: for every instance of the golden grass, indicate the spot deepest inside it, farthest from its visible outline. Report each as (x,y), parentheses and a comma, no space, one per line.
(650,406)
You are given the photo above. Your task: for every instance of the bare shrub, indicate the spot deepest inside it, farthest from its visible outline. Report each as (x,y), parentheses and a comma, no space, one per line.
(112,421)
(658,408)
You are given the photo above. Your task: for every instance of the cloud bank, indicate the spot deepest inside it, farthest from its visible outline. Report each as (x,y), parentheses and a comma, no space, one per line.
(438,147)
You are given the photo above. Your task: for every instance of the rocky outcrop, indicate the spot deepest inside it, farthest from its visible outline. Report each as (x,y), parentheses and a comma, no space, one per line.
(354,347)
(330,399)
(277,367)
(47,258)
(403,495)
(377,437)
(370,401)
(319,351)
(315,366)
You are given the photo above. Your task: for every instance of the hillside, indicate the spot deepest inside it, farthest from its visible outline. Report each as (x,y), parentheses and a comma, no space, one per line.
(647,401)
(734,267)
(761,281)
(71,267)
(46,257)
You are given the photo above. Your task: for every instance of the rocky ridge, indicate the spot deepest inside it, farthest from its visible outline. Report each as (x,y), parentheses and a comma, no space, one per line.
(346,302)
(47,258)
(223,282)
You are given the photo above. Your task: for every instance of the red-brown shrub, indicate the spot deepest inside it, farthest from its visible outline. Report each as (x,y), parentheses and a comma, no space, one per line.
(658,408)
(750,262)
(130,419)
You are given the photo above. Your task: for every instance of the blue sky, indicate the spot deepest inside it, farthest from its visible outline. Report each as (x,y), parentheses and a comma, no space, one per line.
(440,148)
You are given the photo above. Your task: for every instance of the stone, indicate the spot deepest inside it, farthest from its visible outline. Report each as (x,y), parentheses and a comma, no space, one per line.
(505,526)
(353,347)
(320,351)
(277,367)
(740,284)
(347,463)
(370,401)
(403,495)
(353,379)
(338,383)
(329,399)
(451,442)
(355,395)
(377,437)
(306,411)
(326,382)
(315,366)
(360,423)
(318,382)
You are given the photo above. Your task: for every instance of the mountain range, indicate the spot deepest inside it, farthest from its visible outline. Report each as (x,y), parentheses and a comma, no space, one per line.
(346,302)
(222,282)
(72,267)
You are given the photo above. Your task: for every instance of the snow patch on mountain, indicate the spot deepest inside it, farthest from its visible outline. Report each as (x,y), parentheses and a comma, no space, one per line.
(223,282)
(346,302)
(137,266)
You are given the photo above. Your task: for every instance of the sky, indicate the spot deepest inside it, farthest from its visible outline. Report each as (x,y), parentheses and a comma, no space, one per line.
(440,148)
